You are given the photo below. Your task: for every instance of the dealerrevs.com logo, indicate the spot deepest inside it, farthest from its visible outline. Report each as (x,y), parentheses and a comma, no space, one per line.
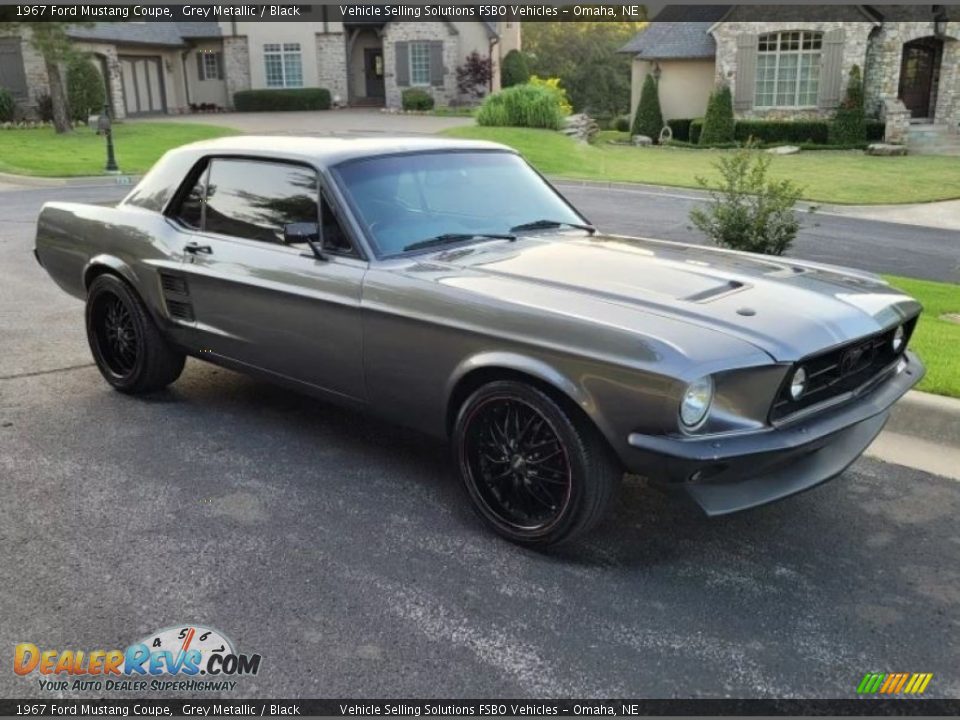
(185,658)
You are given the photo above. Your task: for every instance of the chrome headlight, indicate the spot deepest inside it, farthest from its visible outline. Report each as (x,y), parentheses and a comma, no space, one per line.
(798,383)
(899,336)
(696,402)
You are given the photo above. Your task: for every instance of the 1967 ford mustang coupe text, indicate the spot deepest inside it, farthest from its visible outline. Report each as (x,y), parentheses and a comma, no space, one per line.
(447,286)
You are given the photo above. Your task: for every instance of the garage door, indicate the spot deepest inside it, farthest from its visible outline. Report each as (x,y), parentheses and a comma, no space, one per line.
(143,91)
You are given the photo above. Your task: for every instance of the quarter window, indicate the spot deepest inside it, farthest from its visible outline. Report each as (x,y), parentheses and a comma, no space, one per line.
(419,63)
(788,69)
(255,200)
(283,65)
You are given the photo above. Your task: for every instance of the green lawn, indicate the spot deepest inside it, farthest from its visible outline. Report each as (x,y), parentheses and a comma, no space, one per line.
(936,341)
(846,177)
(138,145)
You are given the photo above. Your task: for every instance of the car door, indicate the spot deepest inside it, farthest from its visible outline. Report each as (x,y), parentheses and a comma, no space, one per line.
(258,301)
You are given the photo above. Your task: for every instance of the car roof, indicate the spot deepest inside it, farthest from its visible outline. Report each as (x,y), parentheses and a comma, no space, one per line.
(329,151)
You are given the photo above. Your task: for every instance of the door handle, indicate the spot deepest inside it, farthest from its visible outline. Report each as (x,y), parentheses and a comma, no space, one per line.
(197,249)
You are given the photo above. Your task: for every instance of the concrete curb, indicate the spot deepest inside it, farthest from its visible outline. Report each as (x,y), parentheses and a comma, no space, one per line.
(933,418)
(21,182)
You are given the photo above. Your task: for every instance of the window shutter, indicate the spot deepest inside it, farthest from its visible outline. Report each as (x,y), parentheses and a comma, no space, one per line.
(831,69)
(402,50)
(200,66)
(746,77)
(219,66)
(436,63)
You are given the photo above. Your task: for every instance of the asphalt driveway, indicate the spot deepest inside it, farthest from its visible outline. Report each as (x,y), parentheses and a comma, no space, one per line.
(342,550)
(348,121)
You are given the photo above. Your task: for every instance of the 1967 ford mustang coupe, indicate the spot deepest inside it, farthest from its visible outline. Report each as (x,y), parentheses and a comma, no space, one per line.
(447,286)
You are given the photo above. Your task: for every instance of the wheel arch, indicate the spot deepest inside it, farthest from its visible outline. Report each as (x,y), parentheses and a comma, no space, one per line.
(100,264)
(490,367)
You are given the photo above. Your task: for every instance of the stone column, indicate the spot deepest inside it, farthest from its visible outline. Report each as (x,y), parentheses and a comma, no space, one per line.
(236,66)
(332,64)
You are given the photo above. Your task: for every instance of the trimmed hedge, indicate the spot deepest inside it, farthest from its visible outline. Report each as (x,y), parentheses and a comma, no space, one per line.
(680,128)
(7,105)
(416,99)
(696,129)
(648,119)
(85,90)
(622,123)
(282,100)
(783,131)
(718,124)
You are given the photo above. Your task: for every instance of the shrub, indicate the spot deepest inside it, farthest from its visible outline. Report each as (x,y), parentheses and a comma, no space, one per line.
(45,107)
(515,70)
(622,123)
(553,85)
(680,127)
(287,99)
(696,130)
(782,131)
(648,120)
(85,90)
(416,99)
(748,211)
(718,122)
(473,77)
(7,105)
(849,124)
(527,105)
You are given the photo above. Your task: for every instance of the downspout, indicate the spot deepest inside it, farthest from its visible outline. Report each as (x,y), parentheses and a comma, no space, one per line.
(186,76)
(494,41)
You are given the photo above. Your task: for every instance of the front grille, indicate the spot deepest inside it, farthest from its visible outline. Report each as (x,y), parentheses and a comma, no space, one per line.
(840,370)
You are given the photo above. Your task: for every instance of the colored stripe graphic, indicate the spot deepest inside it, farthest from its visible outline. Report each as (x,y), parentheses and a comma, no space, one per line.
(894,683)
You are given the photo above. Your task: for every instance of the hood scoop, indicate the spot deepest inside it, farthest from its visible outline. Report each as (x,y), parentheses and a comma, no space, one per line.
(717,291)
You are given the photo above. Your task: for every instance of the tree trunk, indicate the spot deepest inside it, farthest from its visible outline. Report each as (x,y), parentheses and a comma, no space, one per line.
(58,99)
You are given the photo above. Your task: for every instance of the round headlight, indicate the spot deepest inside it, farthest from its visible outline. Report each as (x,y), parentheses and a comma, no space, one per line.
(898,338)
(696,401)
(798,383)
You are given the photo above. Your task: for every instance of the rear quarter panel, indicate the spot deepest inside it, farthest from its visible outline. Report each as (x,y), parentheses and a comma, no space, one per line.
(73,240)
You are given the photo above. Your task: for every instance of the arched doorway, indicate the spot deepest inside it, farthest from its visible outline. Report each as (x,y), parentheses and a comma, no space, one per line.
(920,75)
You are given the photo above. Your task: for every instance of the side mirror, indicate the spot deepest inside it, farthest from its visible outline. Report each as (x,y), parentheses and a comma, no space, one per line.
(301,232)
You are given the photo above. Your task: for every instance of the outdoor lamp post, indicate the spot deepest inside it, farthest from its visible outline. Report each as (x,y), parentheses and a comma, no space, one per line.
(104,127)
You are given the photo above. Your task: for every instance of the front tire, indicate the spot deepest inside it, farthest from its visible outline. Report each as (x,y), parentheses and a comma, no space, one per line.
(536,473)
(127,346)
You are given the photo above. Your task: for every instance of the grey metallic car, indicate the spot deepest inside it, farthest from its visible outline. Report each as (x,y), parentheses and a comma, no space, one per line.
(447,286)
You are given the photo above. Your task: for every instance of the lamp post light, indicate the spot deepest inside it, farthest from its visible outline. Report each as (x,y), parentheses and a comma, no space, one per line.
(104,127)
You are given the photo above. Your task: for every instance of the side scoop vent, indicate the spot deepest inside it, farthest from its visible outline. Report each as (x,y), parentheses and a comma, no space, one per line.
(174,284)
(180,310)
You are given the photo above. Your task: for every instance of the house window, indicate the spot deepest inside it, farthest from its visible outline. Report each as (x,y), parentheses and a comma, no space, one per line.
(283,65)
(210,66)
(419,63)
(788,69)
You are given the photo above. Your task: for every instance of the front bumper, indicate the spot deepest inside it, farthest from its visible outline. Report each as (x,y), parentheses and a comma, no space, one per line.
(725,474)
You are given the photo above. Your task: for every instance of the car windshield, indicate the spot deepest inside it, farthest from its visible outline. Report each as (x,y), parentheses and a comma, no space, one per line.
(449,197)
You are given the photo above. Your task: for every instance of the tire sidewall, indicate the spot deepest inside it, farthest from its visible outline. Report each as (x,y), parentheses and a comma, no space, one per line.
(102,286)
(572,444)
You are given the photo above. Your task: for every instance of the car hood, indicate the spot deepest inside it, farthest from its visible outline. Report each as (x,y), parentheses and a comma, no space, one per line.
(785,307)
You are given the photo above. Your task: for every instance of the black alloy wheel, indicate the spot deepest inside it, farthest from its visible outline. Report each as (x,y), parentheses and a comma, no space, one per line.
(536,473)
(129,349)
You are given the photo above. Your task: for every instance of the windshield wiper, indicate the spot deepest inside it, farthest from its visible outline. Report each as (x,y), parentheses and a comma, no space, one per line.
(446,238)
(547,224)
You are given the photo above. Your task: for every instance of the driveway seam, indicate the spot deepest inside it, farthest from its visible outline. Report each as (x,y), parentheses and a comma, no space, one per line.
(35,373)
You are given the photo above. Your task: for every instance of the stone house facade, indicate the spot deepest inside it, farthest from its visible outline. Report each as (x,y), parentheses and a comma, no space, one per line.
(796,67)
(177,67)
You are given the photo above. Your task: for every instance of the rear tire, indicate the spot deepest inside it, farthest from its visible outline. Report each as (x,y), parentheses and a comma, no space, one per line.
(127,346)
(536,473)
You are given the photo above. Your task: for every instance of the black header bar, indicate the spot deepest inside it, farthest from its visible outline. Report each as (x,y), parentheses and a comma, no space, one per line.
(473,708)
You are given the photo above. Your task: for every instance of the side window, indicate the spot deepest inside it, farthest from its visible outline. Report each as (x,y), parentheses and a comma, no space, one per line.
(191,207)
(255,200)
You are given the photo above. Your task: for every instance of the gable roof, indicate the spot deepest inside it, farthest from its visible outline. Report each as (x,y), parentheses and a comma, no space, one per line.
(678,33)
(147,33)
